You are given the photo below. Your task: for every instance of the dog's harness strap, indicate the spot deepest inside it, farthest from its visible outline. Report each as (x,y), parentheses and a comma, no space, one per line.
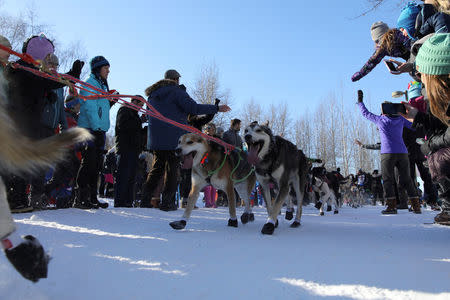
(211,173)
(236,167)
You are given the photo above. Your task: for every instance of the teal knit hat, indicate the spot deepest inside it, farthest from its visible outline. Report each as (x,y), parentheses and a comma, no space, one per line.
(434,55)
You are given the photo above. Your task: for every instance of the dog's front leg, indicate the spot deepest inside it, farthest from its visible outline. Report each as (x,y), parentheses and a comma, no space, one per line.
(272,221)
(244,192)
(265,189)
(193,196)
(324,202)
(300,192)
(232,221)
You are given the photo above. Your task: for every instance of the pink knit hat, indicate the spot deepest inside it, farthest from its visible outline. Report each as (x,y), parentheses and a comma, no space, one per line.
(39,47)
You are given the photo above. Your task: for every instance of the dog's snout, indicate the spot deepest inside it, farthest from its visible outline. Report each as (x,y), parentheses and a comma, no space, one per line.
(177,151)
(248,137)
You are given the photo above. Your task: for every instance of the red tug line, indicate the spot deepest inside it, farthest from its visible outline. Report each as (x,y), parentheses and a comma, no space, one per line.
(98,93)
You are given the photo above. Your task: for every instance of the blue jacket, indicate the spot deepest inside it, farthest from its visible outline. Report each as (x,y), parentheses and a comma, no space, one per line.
(94,114)
(53,113)
(174,103)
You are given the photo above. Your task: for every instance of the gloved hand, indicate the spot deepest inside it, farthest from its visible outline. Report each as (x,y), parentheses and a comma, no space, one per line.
(216,102)
(425,148)
(76,68)
(29,259)
(182,86)
(360,96)
(113,101)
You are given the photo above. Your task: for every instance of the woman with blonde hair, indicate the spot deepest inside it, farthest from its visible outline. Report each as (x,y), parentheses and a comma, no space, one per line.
(433,63)
(388,42)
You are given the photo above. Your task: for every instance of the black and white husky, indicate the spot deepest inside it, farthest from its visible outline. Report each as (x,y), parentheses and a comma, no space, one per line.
(279,163)
(327,196)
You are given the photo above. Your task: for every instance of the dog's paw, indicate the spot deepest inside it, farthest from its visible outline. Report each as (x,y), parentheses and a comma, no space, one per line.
(295,224)
(322,213)
(329,208)
(232,223)
(178,225)
(289,215)
(251,217)
(245,218)
(318,205)
(336,212)
(268,228)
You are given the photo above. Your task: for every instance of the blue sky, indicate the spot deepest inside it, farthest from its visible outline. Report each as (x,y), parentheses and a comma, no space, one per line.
(293,51)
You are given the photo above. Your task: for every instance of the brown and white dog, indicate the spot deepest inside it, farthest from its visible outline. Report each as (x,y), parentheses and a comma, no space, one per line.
(211,166)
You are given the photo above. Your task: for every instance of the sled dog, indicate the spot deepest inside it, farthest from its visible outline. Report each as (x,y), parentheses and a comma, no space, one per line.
(211,166)
(277,162)
(327,196)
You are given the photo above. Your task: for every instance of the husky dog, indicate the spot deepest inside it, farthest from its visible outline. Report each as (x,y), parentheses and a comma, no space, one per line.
(20,155)
(211,166)
(326,195)
(280,163)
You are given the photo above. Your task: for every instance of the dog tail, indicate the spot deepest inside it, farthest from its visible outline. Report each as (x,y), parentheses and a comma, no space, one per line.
(20,154)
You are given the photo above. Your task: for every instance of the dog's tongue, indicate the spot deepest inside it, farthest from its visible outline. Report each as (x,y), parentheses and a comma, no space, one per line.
(252,156)
(187,161)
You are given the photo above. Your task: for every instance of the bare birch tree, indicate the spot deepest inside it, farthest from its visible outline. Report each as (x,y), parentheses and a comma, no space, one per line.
(207,90)
(251,111)
(17,29)
(279,119)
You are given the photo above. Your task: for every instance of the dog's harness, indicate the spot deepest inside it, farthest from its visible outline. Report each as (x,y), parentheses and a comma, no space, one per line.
(204,161)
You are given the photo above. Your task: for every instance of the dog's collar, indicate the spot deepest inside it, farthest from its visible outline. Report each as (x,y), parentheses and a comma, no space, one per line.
(204,159)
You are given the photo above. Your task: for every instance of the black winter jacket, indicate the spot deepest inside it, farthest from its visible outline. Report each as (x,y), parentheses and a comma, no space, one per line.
(232,137)
(129,131)
(27,97)
(430,20)
(436,132)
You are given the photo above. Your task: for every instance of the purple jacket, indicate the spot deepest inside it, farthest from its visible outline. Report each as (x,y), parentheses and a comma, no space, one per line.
(391,130)
(402,46)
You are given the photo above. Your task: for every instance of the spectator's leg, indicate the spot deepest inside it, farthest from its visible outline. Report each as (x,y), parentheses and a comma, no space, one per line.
(154,177)
(171,181)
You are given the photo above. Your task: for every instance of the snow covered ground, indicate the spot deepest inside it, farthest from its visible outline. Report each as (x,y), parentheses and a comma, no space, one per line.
(132,253)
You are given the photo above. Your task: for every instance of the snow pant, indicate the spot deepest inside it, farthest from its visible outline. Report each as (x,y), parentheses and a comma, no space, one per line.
(16,190)
(64,178)
(124,191)
(165,165)
(91,164)
(210,196)
(439,163)
(425,175)
(37,180)
(101,187)
(388,163)
(6,220)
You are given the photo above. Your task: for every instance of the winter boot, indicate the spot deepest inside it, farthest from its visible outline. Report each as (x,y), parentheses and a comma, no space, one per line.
(95,203)
(39,202)
(391,207)
(443,218)
(415,205)
(81,200)
(154,202)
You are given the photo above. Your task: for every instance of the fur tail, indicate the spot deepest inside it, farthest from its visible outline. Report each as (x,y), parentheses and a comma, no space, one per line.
(20,154)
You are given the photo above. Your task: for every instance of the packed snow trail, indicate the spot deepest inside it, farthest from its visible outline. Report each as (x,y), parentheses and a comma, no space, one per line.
(132,253)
